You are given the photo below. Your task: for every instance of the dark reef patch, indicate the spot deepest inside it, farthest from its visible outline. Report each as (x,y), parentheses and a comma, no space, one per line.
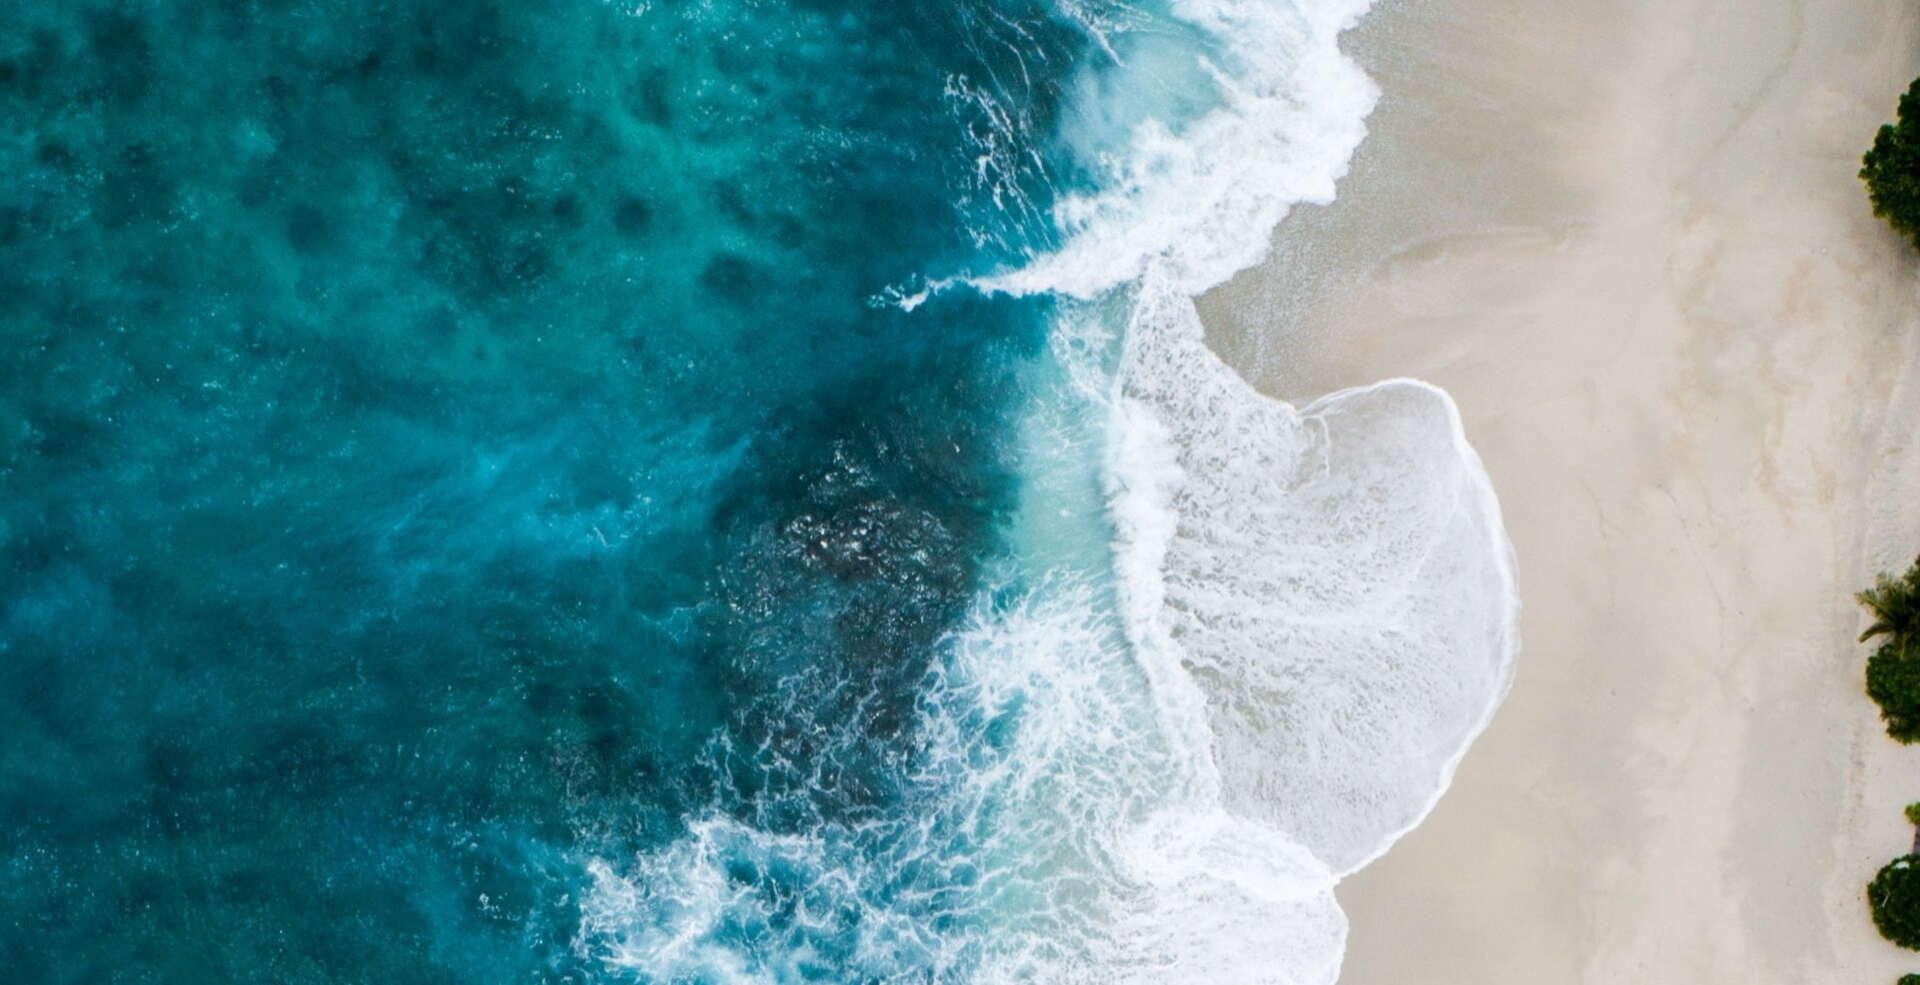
(728,276)
(632,215)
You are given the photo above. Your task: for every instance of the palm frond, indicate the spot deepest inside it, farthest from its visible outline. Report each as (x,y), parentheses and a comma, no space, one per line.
(1895,606)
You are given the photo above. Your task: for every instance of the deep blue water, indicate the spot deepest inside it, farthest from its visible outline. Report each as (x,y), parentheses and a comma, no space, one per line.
(444,442)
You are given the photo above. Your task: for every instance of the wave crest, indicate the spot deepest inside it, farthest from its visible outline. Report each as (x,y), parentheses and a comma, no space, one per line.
(1197,198)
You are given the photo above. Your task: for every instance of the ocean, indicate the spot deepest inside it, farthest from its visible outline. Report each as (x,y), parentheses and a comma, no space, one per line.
(698,493)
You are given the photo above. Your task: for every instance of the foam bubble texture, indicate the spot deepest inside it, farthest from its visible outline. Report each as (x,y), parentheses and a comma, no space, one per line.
(1197,198)
(1335,579)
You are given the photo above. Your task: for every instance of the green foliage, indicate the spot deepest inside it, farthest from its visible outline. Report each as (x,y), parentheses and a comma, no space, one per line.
(1892,168)
(1894,895)
(1893,682)
(1893,673)
(1908,980)
(1913,813)
(1894,602)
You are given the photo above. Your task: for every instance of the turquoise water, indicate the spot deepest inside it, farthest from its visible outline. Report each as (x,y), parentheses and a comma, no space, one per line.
(697,493)
(426,429)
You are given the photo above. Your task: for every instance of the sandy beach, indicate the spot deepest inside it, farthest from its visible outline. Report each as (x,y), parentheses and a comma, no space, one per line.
(1628,238)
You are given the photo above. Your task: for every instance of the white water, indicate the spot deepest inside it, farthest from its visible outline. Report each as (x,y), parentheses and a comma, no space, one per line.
(1198,199)
(1320,599)
(1255,639)
(1336,579)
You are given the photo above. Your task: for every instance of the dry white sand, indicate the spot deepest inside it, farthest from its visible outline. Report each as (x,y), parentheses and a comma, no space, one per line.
(1628,238)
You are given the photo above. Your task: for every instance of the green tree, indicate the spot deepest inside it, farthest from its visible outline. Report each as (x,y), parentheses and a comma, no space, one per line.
(1908,980)
(1894,603)
(1893,672)
(1913,813)
(1892,168)
(1894,895)
(1893,682)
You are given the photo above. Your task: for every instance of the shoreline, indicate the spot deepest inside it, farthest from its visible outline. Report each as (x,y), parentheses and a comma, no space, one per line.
(1683,347)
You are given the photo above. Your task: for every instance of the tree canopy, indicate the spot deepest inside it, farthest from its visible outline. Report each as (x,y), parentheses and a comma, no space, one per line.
(1895,605)
(1894,895)
(1893,682)
(1893,672)
(1892,168)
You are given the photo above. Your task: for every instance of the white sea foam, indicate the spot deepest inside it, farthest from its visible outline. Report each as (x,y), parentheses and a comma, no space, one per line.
(1157,763)
(1155,778)
(1320,599)
(1199,198)
(1336,579)
(1319,606)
